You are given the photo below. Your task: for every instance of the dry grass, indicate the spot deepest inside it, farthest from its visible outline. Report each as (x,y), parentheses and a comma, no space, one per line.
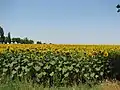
(114,85)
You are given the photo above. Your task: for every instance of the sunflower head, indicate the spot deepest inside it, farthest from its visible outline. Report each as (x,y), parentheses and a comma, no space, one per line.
(105,54)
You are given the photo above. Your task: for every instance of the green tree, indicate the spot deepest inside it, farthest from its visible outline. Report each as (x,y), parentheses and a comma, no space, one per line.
(13,40)
(31,42)
(6,40)
(18,40)
(26,41)
(21,41)
(1,31)
(118,7)
(9,38)
(39,42)
(2,37)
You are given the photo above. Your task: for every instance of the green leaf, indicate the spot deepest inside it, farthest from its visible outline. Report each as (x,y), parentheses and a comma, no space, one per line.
(96,76)
(85,75)
(51,74)
(6,66)
(40,75)
(60,69)
(27,70)
(41,64)
(20,75)
(77,70)
(3,74)
(95,59)
(30,64)
(90,69)
(38,80)
(52,62)
(12,76)
(108,71)
(11,65)
(23,68)
(17,67)
(74,64)
(4,69)
(92,75)
(47,67)
(94,65)
(70,68)
(86,66)
(101,73)
(25,60)
(14,72)
(77,65)
(97,69)
(66,63)
(37,68)
(99,62)
(12,58)
(64,70)
(66,75)
(83,69)
(64,58)
(15,62)
(44,73)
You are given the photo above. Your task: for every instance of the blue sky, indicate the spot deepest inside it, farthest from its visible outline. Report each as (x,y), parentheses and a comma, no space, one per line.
(62,21)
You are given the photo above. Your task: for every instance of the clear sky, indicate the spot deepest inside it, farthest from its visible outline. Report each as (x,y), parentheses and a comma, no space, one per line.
(62,21)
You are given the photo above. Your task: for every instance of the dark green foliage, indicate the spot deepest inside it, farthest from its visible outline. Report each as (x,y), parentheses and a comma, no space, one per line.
(57,69)
(39,42)
(17,40)
(31,42)
(118,10)
(6,40)
(9,38)
(1,31)
(13,40)
(22,41)
(118,7)
(26,41)
(2,37)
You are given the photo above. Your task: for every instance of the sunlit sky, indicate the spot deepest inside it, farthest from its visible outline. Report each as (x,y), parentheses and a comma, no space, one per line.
(62,21)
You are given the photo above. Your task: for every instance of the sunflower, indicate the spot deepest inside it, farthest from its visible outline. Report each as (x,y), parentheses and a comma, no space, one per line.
(105,54)
(90,54)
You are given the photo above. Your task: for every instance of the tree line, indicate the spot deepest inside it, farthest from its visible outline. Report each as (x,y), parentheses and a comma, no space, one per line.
(8,39)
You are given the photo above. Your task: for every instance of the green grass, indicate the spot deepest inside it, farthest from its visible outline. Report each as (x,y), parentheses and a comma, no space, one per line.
(29,86)
(24,85)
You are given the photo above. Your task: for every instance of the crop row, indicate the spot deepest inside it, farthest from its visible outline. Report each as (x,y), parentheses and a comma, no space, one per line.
(58,65)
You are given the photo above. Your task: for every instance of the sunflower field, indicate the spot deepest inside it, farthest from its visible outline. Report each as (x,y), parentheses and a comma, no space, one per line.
(59,65)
